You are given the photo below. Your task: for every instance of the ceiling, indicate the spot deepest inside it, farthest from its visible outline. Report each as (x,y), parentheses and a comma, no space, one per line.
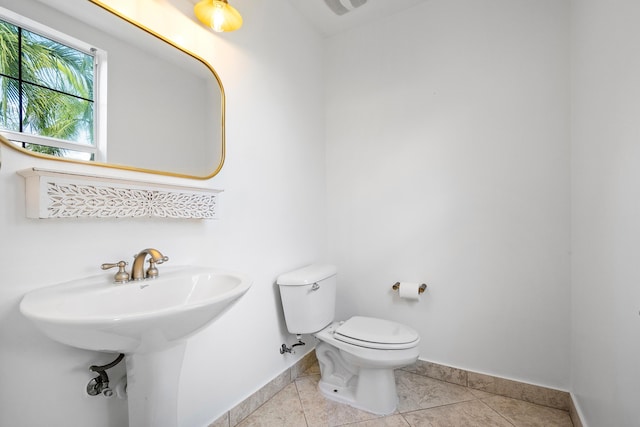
(328,23)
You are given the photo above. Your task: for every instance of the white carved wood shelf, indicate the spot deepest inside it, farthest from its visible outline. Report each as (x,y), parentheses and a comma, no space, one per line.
(53,194)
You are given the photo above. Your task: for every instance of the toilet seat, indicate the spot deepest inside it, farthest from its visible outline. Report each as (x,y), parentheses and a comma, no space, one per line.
(376,333)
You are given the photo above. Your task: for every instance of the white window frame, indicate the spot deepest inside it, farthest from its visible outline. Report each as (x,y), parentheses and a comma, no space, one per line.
(99,149)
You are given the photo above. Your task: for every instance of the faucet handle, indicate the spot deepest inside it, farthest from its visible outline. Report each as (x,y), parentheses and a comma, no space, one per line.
(121,276)
(152,271)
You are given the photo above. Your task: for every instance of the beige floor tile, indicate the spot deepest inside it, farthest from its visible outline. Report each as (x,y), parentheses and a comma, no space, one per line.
(314,369)
(423,402)
(305,366)
(257,399)
(521,391)
(438,372)
(524,414)
(320,411)
(223,421)
(465,414)
(480,394)
(283,409)
(419,392)
(390,421)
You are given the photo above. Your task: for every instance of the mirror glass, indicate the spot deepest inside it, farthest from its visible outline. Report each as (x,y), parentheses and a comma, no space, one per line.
(164,105)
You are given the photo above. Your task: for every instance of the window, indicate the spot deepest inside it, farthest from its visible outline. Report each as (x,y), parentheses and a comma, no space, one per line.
(47,92)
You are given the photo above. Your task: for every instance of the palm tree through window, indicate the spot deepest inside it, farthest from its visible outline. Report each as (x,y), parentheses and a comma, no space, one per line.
(47,92)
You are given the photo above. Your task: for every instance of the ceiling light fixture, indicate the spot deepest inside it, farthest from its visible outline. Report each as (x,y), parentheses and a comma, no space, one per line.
(218,15)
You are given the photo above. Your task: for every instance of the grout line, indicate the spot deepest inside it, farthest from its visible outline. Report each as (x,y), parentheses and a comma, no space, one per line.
(405,420)
(496,411)
(304,413)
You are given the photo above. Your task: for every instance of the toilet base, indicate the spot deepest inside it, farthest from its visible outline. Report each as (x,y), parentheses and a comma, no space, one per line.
(374,390)
(367,388)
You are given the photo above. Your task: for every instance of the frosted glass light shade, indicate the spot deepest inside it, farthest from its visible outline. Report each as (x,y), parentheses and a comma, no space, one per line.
(218,15)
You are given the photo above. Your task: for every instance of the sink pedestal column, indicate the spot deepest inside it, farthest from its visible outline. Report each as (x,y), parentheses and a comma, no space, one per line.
(152,386)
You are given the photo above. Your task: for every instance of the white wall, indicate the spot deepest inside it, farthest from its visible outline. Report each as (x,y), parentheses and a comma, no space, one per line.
(448,163)
(606,211)
(273,220)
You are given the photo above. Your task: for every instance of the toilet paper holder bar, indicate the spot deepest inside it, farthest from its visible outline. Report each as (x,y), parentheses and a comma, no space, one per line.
(421,289)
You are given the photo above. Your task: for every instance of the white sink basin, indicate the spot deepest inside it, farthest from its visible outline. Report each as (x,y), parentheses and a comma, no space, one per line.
(140,316)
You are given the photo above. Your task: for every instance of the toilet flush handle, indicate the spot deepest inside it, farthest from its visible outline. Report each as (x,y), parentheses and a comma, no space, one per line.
(315,287)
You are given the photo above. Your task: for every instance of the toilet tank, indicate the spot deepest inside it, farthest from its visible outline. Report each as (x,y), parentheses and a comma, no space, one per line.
(308,298)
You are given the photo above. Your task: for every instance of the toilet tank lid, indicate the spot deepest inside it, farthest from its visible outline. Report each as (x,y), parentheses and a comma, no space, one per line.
(307,275)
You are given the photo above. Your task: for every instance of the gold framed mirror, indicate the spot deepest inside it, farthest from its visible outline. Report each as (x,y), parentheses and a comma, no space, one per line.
(165,106)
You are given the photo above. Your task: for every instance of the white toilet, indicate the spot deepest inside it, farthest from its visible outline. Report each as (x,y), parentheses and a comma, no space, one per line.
(357,356)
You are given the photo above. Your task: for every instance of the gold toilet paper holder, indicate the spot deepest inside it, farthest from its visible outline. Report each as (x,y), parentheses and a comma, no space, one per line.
(421,289)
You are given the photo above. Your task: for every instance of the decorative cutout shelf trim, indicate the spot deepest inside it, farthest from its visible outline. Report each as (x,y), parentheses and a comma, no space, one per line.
(53,194)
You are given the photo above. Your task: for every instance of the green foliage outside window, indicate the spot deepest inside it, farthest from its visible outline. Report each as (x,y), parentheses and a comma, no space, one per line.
(46,89)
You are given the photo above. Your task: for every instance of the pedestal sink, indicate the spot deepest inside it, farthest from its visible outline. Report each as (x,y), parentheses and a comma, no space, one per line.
(149,321)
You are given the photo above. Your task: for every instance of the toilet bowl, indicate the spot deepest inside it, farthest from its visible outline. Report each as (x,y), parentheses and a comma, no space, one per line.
(360,374)
(357,357)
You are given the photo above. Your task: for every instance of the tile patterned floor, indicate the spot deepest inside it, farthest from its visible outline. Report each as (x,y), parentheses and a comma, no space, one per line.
(424,402)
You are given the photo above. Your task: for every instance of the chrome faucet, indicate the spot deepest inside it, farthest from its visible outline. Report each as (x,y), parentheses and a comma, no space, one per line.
(137,270)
